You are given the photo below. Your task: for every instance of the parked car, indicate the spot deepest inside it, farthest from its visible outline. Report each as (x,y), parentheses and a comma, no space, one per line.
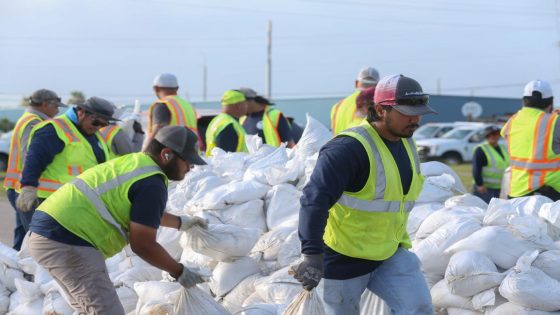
(436,130)
(456,146)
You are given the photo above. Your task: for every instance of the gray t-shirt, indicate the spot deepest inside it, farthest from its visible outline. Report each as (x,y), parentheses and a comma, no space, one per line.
(161,115)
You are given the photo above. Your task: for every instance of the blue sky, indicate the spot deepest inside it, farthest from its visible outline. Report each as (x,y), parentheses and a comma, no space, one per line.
(113,49)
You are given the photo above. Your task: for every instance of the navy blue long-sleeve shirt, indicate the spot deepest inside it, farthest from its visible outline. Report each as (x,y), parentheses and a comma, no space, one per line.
(342,165)
(478,162)
(227,139)
(45,145)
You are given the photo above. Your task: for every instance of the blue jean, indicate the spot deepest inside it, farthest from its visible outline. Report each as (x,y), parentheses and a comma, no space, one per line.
(398,281)
(22,220)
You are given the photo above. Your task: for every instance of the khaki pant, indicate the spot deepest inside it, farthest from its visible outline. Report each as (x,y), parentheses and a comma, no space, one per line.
(81,272)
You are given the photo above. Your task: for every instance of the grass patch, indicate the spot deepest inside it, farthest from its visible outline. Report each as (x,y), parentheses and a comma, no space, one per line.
(464,171)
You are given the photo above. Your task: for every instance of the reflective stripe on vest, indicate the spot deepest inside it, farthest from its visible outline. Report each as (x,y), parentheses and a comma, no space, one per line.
(270,121)
(217,125)
(493,172)
(534,164)
(94,194)
(15,156)
(378,204)
(108,133)
(76,156)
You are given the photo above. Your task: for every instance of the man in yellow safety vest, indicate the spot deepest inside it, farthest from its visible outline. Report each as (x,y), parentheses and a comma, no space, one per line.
(355,207)
(170,109)
(44,104)
(98,213)
(265,121)
(225,131)
(345,114)
(533,141)
(489,163)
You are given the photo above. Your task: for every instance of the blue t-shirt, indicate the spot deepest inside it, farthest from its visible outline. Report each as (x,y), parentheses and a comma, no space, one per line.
(342,165)
(148,197)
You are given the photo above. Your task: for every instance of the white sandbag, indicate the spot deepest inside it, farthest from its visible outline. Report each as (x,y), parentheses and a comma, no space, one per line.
(514,309)
(195,301)
(443,298)
(128,298)
(282,206)
(314,136)
(460,311)
(484,299)
(8,276)
(442,216)
(259,169)
(113,262)
(436,168)
(532,229)
(263,309)
(418,214)
(154,293)
(198,191)
(431,250)
(466,200)
(551,213)
(221,242)
(156,308)
(233,301)
(271,242)
(470,272)
(549,263)
(34,307)
(168,238)
(437,188)
(498,212)
(290,250)
(137,274)
(4,299)
(372,304)
(253,299)
(54,304)
(227,275)
(248,215)
(8,256)
(278,288)
(529,205)
(432,279)
(235,192)
(287,173)
(131,262)
(228,164)
(530,287)
(305,303)
(497,243)
(190,257)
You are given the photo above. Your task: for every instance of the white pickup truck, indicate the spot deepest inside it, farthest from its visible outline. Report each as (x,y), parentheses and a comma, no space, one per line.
(456,146)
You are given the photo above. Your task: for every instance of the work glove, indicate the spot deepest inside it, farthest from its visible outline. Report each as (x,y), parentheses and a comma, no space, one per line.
(309,272)
(27,199)
(189,278)
(188,222)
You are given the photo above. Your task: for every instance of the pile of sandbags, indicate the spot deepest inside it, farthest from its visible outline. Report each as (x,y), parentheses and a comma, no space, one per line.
(500,258)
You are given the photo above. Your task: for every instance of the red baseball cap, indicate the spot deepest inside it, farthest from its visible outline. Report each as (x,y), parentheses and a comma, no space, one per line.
(404,94)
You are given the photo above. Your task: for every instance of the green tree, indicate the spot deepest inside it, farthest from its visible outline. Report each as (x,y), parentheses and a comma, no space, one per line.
(76,97)
(6,125)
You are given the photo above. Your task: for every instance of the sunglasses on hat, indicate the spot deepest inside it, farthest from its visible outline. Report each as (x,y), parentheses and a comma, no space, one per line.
(96,121)
(409,100)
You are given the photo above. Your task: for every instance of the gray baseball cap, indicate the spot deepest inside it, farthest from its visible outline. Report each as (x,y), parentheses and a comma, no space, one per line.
(368,76)
(250,94)
(182,141)
(166,80)
(44,95)
(101,107)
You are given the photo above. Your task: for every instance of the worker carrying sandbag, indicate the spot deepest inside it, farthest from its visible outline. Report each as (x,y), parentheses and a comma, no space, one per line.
(94,216)
(354,210)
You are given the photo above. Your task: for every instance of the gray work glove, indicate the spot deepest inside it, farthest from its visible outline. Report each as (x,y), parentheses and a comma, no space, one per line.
(27,199)
(189,278)
(188,222)
(310,271)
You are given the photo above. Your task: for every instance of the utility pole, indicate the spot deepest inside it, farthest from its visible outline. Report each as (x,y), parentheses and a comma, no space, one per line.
(438,89)
(268,76)
(204,80)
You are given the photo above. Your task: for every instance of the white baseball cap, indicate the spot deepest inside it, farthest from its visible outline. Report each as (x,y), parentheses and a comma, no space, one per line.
(538,86)
(166,80)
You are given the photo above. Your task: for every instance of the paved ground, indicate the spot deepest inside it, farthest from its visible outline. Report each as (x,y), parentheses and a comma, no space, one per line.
(7,221)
